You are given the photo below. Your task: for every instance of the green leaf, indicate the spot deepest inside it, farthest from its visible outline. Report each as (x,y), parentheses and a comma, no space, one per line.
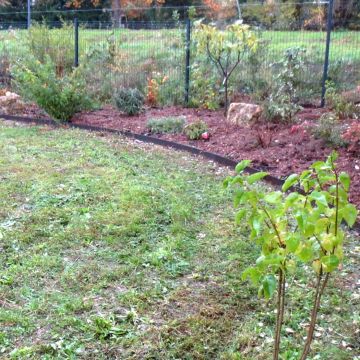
(239,197)
(227,181)
(242,165)
(320,165)
(330,262)
(240,215)
(274,197)
(319,197)
(268,286)
(291,199)
(256,224)
(251,179)
(328,242)
(345,180)
(349,212)
(305,254)
(290,181)
(292,243)
(322,225)
(251,273)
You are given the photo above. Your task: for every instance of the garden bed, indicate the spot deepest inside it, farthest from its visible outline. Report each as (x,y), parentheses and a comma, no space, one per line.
(287,149)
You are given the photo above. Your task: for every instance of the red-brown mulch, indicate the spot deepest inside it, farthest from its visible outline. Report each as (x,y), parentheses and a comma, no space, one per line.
(286,149)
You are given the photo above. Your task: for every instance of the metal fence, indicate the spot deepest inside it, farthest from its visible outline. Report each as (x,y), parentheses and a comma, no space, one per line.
(155,56)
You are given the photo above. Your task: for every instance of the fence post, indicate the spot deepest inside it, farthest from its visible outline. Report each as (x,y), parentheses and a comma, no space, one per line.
(187,60)
(327,50)
(28,14)
(76,42)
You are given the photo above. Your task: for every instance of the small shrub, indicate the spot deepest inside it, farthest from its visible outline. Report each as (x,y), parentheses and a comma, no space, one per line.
(294,232)
(130,101)
(352,136)
(205,87)
(194,130)
(342,108)
(60,97)
(330,130)
(282,104)
(166,125)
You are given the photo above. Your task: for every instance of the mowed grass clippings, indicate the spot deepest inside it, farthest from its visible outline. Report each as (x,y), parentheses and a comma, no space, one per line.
(115,249)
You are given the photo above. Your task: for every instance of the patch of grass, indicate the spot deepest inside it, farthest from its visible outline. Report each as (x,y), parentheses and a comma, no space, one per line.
(115,249)
(166,125)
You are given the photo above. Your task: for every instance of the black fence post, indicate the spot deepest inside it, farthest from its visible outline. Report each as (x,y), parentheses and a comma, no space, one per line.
(187,60)
(76,42)
(28,14)
(327,50)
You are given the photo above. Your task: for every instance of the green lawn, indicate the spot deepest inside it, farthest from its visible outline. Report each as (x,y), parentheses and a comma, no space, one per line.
(113,249)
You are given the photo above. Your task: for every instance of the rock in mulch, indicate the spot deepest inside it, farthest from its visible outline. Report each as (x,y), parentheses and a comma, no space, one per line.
(11,104)
(243,113)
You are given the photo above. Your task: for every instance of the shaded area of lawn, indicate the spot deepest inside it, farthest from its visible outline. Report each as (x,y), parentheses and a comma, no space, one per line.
(114,249)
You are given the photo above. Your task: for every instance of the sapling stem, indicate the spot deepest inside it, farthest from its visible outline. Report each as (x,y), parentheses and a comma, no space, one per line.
(320,287)
(280,313)
(318,294)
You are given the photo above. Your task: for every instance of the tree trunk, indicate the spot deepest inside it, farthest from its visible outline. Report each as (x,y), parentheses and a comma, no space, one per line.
(226,94)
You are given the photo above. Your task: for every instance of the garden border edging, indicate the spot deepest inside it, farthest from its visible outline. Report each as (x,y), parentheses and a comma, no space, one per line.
(219,159)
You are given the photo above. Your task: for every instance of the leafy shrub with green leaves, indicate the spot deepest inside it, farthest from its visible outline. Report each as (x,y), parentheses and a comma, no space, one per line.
(337,103)
(128,100)
(293,229)
(194,130)
(330,130)
(282,104)
(205,86)
(166,125)
(61,97)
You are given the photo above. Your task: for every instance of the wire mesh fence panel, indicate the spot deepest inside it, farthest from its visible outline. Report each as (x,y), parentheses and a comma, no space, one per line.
(344,68)
(151,55)
(146,56)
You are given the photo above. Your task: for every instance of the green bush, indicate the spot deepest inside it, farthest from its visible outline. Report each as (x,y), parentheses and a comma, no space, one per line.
(130,101)
(61,97)
(166,125)
(336,102)
(205,86)
(194,130)
(330,130)
(282,104)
